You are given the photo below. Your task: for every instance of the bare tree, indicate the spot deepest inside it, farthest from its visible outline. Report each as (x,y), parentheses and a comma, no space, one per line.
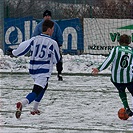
(62,9)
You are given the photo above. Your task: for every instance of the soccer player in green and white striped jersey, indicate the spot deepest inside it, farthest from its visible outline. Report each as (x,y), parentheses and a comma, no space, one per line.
(121,73)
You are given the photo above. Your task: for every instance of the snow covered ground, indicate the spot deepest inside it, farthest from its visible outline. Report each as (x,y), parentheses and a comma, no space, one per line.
(78,104)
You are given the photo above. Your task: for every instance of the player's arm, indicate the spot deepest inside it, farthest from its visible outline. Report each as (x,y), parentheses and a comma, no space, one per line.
(23,48)
(106,63)
(56,53)
(58,37)
(108,60)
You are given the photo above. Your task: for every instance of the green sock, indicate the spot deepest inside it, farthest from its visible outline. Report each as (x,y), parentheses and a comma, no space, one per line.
(123,97)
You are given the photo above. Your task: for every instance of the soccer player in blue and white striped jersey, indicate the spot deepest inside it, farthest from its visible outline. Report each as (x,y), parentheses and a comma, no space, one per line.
(121,58)
(44,53)
(57,36)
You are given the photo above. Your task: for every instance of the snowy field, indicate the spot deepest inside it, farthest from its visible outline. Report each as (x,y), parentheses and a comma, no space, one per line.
(79,104)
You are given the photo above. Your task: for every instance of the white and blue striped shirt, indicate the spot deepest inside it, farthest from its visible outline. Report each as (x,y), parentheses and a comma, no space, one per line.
(44,53)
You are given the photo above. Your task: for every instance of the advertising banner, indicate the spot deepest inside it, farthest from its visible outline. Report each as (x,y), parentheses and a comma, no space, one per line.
(20,29)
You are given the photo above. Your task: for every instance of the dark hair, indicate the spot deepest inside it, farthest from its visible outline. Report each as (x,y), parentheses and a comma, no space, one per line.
(47,13)
(124,39)
(47,24)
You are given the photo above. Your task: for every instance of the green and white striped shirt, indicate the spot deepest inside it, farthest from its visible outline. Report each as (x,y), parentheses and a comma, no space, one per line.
(121,59)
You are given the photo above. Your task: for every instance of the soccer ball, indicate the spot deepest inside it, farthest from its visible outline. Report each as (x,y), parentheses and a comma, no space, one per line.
(122,114)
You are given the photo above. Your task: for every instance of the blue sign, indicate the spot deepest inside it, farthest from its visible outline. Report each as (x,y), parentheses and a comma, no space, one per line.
(72,36)
(16,31)
(20,29)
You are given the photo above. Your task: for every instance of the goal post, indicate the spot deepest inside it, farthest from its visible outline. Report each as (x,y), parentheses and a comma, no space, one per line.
(101,35)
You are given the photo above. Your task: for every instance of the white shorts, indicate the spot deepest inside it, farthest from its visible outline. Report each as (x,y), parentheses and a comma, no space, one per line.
(41,81)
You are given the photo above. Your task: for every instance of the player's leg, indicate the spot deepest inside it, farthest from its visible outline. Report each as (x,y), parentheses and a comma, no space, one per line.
(29,98)
(35,92)
(43,81)
(130,89)
(37,101)
(59,67)
(59,70)
(123,96)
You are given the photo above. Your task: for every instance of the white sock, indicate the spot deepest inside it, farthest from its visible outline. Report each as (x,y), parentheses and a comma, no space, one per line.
(36,104)
(25,102)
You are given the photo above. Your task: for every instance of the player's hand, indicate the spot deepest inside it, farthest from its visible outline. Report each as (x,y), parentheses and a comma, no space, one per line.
(60,50)
(9,52)
(95,71)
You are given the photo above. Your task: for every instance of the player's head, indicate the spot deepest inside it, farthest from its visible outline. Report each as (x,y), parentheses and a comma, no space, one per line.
(47,15)
(124,40)
(48,27)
